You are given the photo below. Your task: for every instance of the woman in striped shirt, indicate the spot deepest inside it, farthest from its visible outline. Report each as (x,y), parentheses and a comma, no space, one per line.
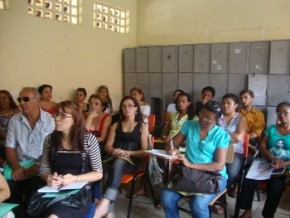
(71,154)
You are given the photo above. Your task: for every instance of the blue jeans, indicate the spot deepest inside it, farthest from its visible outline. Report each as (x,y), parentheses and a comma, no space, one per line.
(198,203)
(113,178)
(234,168)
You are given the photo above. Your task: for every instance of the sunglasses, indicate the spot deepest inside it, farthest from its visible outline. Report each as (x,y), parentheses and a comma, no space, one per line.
(25,99)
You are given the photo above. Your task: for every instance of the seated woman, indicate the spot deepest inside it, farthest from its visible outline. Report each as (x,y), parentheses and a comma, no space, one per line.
(46,104)
(184,112)
(103,92)
(70,154)
(8,108)
(236,125)
(98,123)
(206,149)
(5,194)
(274,146)
(80,98)
(172,106)
(126,142)
(138,94)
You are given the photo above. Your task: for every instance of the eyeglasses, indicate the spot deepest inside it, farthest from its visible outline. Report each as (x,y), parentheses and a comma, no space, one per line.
(206,118)
(285,113)
(130,106)
(61,115)
(25,99)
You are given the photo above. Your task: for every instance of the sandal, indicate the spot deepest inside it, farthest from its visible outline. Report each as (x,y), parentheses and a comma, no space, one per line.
(218,209)
(233,192)
(159,205)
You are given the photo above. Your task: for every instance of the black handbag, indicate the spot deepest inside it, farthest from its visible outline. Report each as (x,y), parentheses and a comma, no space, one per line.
(185,179)
(38,205)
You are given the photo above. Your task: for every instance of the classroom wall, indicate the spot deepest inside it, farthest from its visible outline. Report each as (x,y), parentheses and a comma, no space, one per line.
(34,51)
(167,22)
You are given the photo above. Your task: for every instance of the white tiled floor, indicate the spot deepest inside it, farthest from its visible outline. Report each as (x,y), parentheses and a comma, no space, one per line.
(143,208)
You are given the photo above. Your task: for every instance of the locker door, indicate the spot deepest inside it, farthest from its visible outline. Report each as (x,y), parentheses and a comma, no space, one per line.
(259,55)
(155,81)
(169,59)
(237,83)
(219,58)
(201,58)
(258,84)
(169,85)
(185,59)
(279,57)
(185,82)
(200,81)
(271,116)
(238,57)
(130,81)
(142,60)
(219,82)
(143,82)
(277,89)
(155,59)
(130,60)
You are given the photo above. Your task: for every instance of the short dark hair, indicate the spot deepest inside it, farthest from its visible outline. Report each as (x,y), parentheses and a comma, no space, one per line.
(281,104)
(210,89)
(83,90)
(233,97)
(42,87)
(214,106)
(250,92)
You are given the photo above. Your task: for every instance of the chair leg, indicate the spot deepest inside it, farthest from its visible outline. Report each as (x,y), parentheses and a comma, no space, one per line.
(151,189)
(209,210)
(258,194)
(131,197)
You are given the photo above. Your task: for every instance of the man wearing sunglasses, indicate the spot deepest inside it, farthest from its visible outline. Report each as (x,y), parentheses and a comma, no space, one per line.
(24,143)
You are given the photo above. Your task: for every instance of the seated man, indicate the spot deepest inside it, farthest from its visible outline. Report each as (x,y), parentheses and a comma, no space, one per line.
(255,118)
(207,94)
(24,141)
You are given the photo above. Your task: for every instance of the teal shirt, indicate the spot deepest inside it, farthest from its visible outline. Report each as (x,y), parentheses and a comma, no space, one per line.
(278,145)
(202,152)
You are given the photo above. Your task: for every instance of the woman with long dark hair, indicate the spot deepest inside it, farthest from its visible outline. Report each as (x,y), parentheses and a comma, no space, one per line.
(128,138)
(70,154)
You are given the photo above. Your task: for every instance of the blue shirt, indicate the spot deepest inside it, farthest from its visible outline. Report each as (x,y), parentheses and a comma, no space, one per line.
(28,142)
(202,152)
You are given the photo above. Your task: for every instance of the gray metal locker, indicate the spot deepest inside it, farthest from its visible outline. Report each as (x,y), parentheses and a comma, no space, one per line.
(185,60)
(259,57)
(201,58)
(130,60)
(142,60)
(219,82)
(277,89)
(219,58)
(238,57)
(237,83)
(155,59)
(258,84)
(185,82)
(169,59)
(271,116)
(169,84)
(279,57)
(130,81)
(143,82)
(200,81)
(155,80)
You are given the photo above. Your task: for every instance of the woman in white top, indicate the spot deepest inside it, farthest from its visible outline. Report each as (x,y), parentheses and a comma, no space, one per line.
(138,94)
(172,106)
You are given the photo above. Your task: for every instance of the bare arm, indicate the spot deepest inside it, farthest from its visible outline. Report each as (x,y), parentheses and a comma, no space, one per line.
(105,129)
(177,140)
(216,165)
(4,189)
(111,139)
(18,171)
(240,132)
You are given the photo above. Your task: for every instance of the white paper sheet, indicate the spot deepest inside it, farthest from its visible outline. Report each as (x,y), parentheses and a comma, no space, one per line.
(161,153)
(76,185)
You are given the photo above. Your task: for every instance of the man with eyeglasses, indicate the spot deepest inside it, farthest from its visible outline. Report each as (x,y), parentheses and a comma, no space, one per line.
(24,144)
